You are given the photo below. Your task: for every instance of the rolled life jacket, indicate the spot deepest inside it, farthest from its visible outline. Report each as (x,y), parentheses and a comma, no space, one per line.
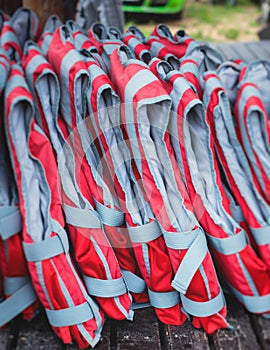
(95,205)
(252,127)
(204,298)
(177,47)
(52,23)
(204,182)
(98,35)
(190,69)
(146,235)
(162,203)
(138,47)
(82,42)
(104,126)
(70,310)
(17,291)
(159,50)
(253,292)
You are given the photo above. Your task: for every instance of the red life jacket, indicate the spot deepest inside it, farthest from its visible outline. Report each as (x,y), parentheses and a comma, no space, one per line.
(135,84)
(70,310)
(102,276)
(178,45)
(139,48)
(211,309)
(16,289)
(254,290)
(254,134)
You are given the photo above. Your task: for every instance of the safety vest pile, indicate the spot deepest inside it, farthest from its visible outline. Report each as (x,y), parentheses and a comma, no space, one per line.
(132,169)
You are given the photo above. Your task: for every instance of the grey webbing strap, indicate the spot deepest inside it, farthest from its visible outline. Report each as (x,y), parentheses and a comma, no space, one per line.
(191,262)
(253,303)
(203,309)
(180,240)
(10,221)
(134,283)
(48,248)
(105,288)
(229,245)
(84,218)
(145,233)
(163,300)
(18,302)
(70,316)
(109,216)
(137,306)
(12,284)
(261,235)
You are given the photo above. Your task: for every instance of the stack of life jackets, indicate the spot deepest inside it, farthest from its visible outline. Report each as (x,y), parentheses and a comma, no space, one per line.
(127,188)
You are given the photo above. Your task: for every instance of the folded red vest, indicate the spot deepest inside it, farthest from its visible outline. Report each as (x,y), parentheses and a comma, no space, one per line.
(138,47)
(16,288)
(253,131)
(90,195)
(103,124)
(140,95)
(254,289)
(70,310)
(204,293)
(178,45)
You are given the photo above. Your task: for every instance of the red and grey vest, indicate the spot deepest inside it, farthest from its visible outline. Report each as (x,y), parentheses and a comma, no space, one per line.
(89,205)
(70,310)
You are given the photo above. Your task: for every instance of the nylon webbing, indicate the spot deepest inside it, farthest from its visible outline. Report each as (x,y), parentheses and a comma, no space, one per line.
(189,264)
(105,288)
(261,235)
(144,233)
(84,218)
(163,300)
(70,316)
(134,283)
(10,221)
(18,302)
(46,249)
(229,245)
(254,304)
(180,240)
(203,309)
(12,284)
(110,217)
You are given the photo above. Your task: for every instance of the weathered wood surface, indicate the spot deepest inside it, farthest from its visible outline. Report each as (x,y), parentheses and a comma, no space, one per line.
(247,51)
(242,335)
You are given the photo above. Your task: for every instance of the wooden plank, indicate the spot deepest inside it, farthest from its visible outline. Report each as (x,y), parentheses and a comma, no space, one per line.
(37,334)
(142,333)
(262,47)
(186,337)
(5,337)
(242,336)
(262,330)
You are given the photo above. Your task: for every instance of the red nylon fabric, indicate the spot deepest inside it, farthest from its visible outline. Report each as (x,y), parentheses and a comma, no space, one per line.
(90,263)
(177,48)
(40,149)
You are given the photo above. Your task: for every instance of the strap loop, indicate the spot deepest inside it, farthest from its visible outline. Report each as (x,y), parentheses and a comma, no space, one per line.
(163,300)
(105,288)
(134,283)
(48,248)
(203,309)
(109,216)
(180,240)
(261,235)
(70,316)
(191,262)
(257,304)
(144,233)
(84,218)
(10,221)
(229,245)
(18,302)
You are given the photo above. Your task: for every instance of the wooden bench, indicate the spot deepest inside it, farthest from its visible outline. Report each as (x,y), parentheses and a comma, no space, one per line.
(146,332)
